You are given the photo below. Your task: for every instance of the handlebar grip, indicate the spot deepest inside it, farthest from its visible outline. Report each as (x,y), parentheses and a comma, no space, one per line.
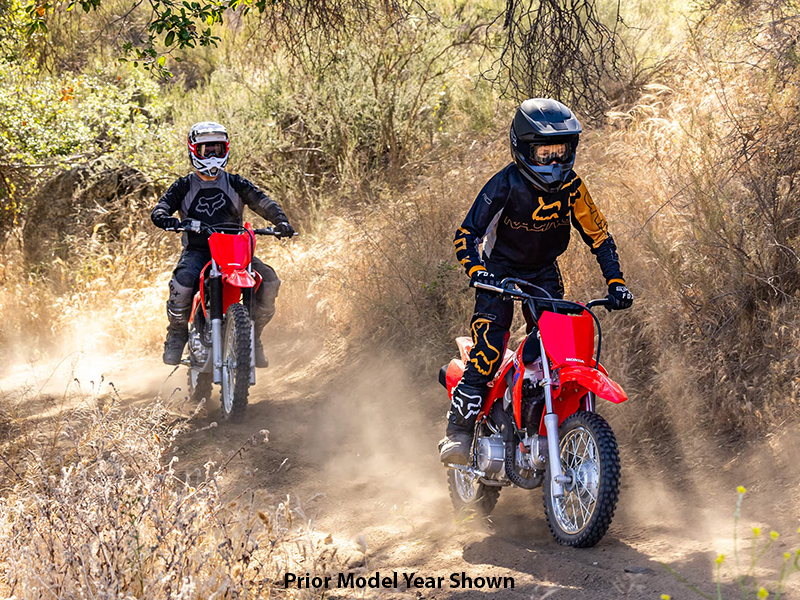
(271,231)
(486,286)
(607,302)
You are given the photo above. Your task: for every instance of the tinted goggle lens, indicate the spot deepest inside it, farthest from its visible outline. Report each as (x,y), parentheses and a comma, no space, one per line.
(544,154)
(212,149)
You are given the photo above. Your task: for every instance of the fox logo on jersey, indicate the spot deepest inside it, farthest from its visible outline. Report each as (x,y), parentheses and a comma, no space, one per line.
(211,205)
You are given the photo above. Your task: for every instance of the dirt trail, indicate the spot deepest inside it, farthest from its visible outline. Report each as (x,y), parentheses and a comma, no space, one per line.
(355,446)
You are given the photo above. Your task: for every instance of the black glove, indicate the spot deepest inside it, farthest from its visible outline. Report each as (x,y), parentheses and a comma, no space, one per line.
(621,296)
(170,224)
(486,278)
(283,229)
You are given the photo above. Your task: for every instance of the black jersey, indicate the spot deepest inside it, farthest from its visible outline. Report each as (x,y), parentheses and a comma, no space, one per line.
(525,229)
(221,200)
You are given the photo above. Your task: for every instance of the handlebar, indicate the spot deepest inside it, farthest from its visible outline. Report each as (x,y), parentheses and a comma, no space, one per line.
(549,302)
(504,289)
(226,228)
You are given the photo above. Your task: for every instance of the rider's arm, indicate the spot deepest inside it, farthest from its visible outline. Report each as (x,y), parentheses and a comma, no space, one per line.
(258,201)
(169,203)
(592,226)
(487,205)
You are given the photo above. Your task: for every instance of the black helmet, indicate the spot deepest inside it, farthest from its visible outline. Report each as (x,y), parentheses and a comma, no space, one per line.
(544,135)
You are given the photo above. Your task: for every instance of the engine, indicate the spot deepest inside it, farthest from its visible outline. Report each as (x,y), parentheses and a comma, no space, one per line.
(491,454)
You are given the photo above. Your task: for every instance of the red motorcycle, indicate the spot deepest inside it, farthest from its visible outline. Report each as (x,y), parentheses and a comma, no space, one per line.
(221,346)
(538,424)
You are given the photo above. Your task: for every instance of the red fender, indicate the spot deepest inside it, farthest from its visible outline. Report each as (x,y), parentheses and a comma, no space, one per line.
(455,370)
(574,382)
(594,381)
(239,278)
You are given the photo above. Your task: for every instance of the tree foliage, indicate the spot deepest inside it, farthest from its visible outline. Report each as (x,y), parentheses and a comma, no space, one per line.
(555,48)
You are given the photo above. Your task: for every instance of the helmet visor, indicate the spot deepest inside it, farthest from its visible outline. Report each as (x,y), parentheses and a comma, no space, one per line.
(212,149)
(544,154)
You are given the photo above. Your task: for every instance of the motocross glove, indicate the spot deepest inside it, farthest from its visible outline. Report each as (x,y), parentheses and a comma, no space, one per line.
(170,224)
(192,225)
(486,278)
(621,296)
(283,229)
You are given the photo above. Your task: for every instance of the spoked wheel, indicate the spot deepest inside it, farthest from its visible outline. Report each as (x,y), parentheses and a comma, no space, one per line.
(589,455)
(467,493)
(235,362)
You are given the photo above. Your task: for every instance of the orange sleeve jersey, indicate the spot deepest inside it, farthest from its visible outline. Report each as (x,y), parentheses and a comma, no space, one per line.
(526,229)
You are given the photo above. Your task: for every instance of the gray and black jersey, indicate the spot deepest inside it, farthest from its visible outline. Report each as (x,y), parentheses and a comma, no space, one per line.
(221,200)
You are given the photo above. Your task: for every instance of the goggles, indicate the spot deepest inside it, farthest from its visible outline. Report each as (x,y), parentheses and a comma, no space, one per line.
(212,149)
(544,154)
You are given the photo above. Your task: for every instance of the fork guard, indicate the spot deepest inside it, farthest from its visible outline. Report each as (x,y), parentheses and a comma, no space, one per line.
(592,380)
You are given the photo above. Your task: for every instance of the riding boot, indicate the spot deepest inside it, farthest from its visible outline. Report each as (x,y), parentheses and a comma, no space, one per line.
(262,362)
(464,409)
(177,333)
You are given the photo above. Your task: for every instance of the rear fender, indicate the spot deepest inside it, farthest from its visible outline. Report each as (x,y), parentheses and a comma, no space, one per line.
(464,346)
(453,375)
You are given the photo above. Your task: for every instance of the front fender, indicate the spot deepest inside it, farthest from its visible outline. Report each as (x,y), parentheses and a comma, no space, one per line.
(594,381)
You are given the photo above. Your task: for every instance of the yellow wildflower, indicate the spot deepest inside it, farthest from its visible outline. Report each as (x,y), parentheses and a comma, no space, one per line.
(756,531)
(666,597)
(720,558)
(741,489)
(787,556)
(774,535)
(763,593)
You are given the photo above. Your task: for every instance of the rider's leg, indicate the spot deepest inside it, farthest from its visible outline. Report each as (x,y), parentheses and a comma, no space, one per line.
(490,324)
(264,306)
(179,305)
(548,279)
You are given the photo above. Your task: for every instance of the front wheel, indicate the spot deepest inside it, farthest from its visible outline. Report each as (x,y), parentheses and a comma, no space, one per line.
(589,455)
(235,362)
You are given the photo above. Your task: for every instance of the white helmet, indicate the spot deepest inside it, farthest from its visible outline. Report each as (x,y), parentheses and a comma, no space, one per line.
(208,147)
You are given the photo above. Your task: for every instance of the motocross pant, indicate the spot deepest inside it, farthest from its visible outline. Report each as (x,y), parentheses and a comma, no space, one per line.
(185,281)
(492,319)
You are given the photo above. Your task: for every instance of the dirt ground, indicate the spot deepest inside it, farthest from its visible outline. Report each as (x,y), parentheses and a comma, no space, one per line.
(354,445)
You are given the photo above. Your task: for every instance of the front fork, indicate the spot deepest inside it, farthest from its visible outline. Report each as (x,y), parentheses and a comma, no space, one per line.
(215,291)
(249,299)
(559,480)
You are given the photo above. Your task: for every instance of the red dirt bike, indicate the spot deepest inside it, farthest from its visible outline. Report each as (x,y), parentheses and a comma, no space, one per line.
(538,424)
(221,332)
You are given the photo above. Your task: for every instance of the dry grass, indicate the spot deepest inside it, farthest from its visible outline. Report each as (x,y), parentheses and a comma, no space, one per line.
(98,508)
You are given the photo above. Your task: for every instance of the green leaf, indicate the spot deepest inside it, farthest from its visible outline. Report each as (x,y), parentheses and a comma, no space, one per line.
(169,39)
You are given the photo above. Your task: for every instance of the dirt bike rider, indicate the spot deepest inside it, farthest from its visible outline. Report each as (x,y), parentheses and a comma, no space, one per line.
(212,196)
(523,217)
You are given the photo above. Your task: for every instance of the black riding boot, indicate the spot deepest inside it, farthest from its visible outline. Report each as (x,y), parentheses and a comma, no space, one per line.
(177,333)
(464,409)
(262,362)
